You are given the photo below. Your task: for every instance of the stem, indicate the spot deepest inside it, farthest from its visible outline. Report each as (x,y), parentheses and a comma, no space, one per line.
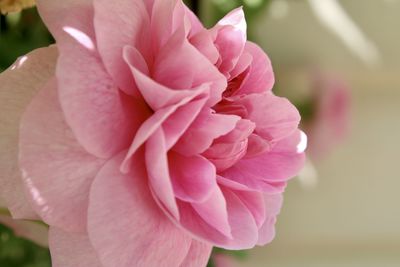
(3,23)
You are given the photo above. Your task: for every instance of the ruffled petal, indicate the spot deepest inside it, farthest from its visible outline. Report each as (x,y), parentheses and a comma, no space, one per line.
(57,171)
(203,41)
(102,118)
(273,204)
(193,178)
(275,117)
(180,65)
(230,39)
(270,171)
(168,16)
(195,100)
(244,229)
(18,85)
(214,211)
(68,249)
(133,27)
(126,227)
(158,172)
(207,127)
(260,77)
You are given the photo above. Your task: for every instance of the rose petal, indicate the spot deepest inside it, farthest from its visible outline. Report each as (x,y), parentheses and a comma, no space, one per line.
(254,201)
(172,70)
(225,155)
(167,17)
(156,95)
(243,227)
(214,211)
(87,92)
(158,172)
(256,146)
(68,249)
(195,23)
(274,167)
(207,127)
(198,254)
(151,125)
(133,24)
(18,85)
(275,117)
(260,77)
(231,39)
(57,171)
(136,231)
(203,41)
(193,178)
(273,204)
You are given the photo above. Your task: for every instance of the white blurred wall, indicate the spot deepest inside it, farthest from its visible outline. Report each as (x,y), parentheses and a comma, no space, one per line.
(352,217)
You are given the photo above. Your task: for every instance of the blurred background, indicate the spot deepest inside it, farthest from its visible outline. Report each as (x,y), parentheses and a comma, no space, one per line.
(339,62)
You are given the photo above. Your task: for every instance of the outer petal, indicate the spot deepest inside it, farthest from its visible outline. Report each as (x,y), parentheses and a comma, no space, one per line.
(102,118)
(260,77)
(33,231)
(126,226)
(57,171)
(273,204)
(243,226)
(18,85)
(214,212)
(130,27)
(275,117)
(198,254)
(71,250)
(254,201)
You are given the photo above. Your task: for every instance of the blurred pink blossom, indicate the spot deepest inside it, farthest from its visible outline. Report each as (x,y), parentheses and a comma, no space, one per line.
(330,120)
(152,140)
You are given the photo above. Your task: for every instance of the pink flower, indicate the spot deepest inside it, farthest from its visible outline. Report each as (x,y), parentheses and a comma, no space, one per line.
(152,140)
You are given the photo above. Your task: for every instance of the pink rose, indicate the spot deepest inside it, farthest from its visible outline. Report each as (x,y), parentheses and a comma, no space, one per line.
(152,140)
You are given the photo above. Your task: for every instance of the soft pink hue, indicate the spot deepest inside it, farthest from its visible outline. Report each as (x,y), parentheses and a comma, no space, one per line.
(155,139)
(330,121)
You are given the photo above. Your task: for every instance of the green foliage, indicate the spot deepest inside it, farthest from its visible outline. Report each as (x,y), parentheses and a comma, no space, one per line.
(239,254)
(252,9)
(19,252)
(20,33)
